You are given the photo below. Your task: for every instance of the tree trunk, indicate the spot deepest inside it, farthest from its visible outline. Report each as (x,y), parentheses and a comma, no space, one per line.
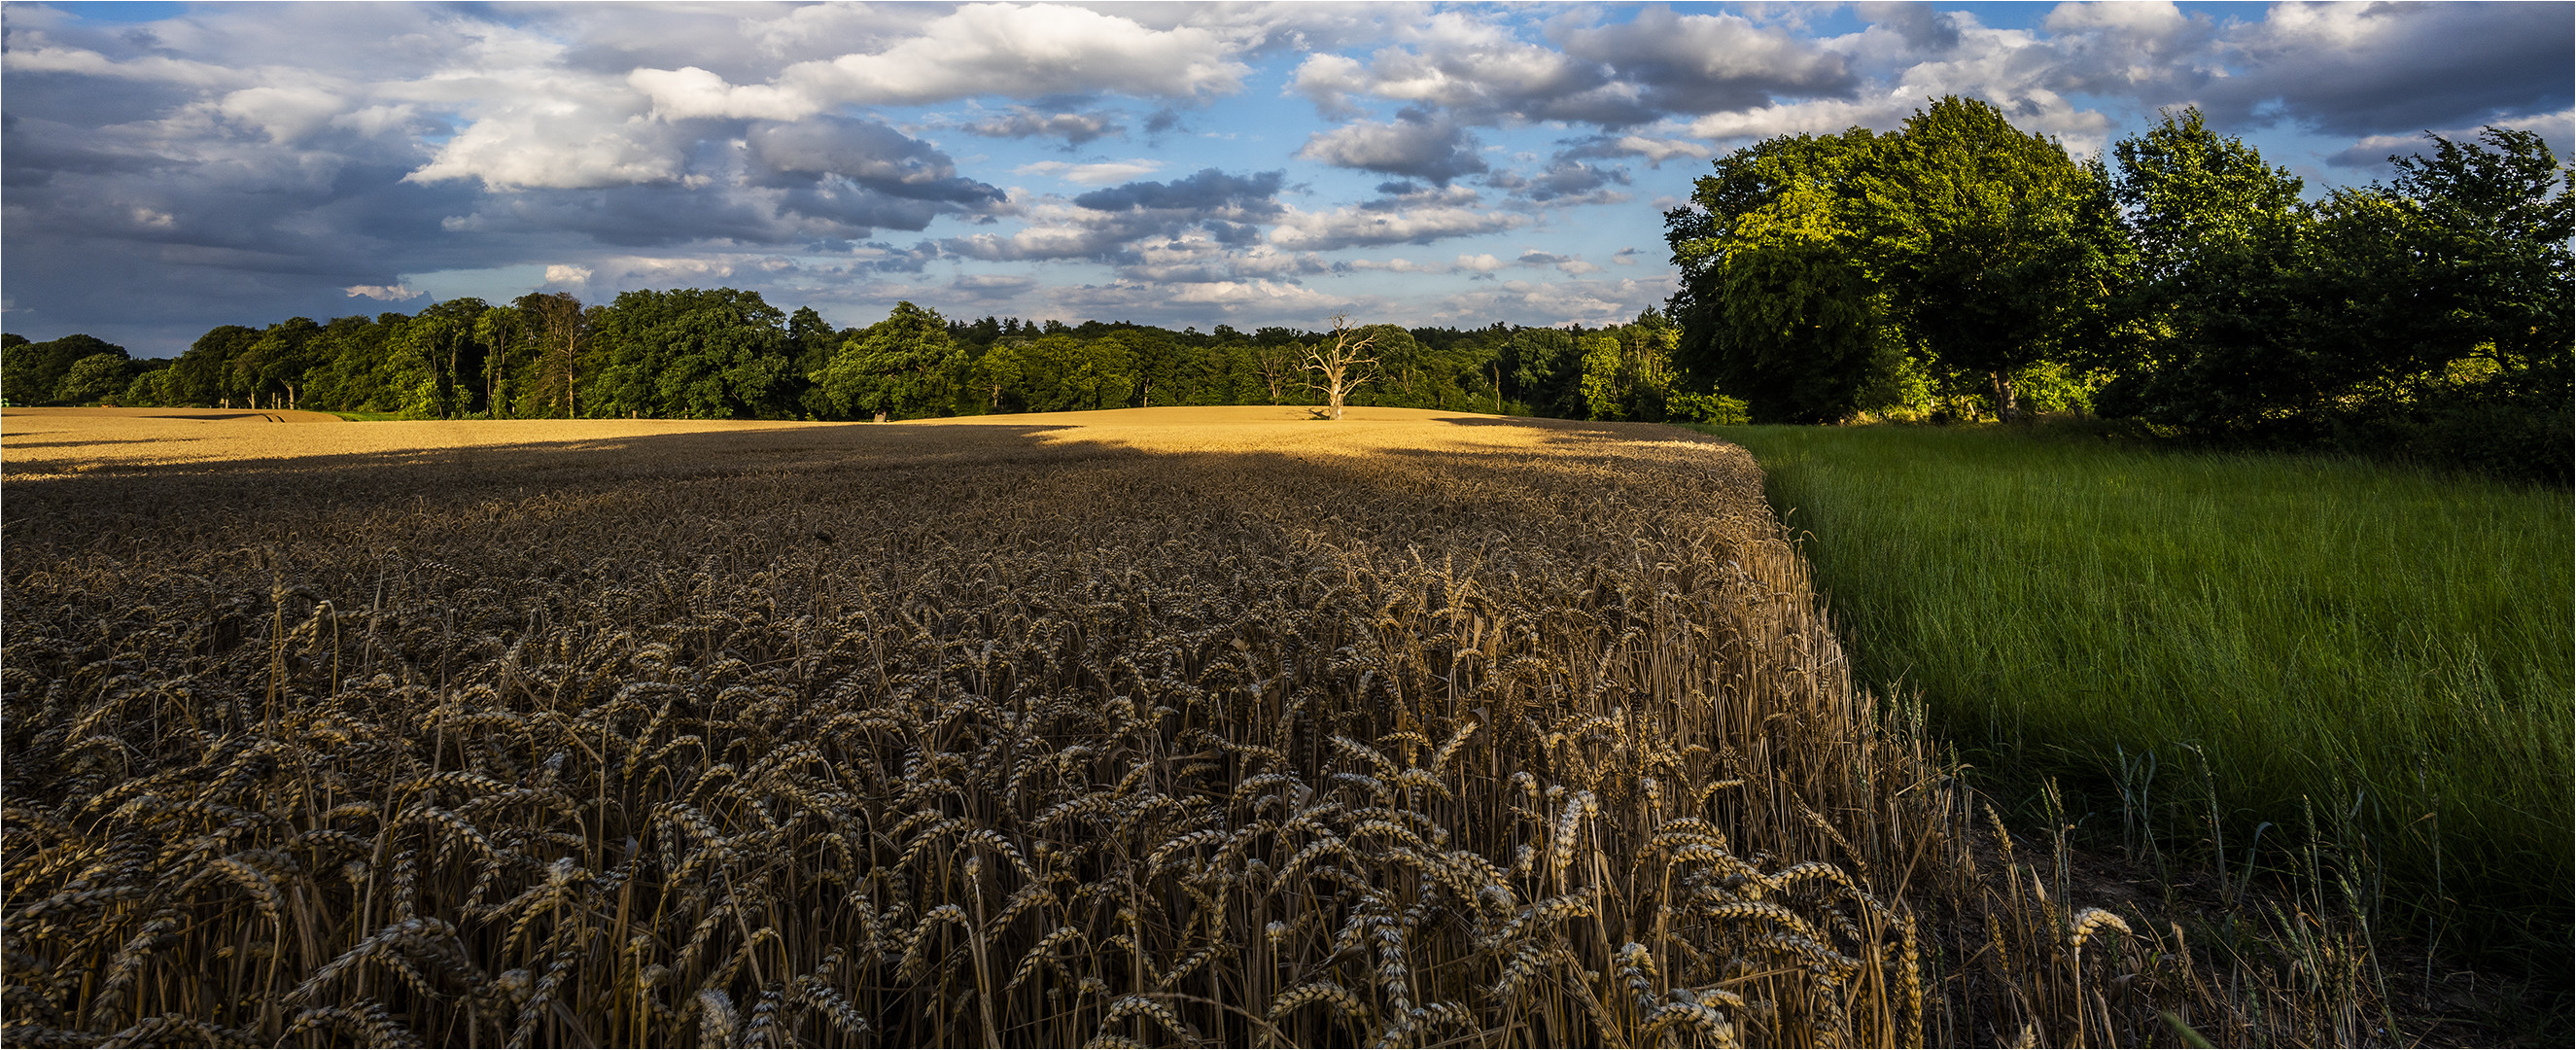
(2007,408)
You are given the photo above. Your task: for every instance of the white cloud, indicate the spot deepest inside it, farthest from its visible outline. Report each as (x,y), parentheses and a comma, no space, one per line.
(1474,67)
(286,114)
(1657,151)
(1095,174)
(647,271)
(1234,299)
(34,56)
(536,124)
(1025,52)
(1591,302)
(559,273)
(390,293)
(1396,265)
(690,92)
(1350,227)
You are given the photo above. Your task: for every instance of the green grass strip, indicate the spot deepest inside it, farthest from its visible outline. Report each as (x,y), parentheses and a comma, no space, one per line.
(2378,653)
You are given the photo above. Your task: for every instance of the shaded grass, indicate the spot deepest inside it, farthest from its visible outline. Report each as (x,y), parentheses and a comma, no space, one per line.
(2215,643)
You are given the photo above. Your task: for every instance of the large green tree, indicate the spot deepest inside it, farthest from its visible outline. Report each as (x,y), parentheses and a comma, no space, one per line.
(93,377)
(32,373)
(902,367)
(2214,330)
(1998,250)
(2427,316)
(1780,304)
(693,353)
(2491,229)
(437,352)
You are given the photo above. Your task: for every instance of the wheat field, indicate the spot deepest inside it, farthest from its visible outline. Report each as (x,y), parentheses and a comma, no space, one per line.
(1159,727)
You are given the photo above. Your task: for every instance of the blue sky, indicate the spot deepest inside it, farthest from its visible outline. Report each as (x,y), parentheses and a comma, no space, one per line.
(172,167)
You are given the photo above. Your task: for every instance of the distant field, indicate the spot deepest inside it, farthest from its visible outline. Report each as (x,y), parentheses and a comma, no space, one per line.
(44,442)
(2345,653)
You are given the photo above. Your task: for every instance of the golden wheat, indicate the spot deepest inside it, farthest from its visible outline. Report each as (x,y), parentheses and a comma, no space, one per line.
(1455,734)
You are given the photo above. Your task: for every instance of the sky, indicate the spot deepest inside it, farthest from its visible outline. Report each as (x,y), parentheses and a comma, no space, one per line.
(167,168)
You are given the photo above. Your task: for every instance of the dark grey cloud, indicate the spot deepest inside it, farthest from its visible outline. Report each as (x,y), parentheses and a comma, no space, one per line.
(865,153)
(1613,76)
(1702,63)
(1208,190)
(1926,29)
(2397,68)
(1233,234)
(1564,180)
(1432,147)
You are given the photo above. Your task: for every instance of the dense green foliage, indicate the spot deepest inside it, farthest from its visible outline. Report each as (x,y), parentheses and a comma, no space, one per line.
(2261,638)
(1957,267)
(34,373)
(728,354)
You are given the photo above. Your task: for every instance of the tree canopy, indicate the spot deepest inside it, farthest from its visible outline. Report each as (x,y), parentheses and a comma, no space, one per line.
(1959,266)
(727,353)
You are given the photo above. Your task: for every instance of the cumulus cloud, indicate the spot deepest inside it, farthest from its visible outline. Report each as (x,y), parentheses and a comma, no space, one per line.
(864,153)
(1184,223)
(246,161)
(1027,51)
(1023,122)
(1210,189)
(1231,299)
(2361,69)
(1656,151)
(1354,227)
(1427,146)
(1613,76)
(1398,264)
(690,93)
(1698,63)
(1565,181)
(2373,152)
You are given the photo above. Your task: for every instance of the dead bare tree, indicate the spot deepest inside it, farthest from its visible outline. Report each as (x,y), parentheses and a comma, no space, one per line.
(1340,363)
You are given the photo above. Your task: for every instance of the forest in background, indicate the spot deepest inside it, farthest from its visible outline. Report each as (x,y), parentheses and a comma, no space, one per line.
(723,353)
(1956,268)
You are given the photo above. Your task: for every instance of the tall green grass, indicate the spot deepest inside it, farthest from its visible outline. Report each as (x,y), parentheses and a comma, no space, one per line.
(2348,652)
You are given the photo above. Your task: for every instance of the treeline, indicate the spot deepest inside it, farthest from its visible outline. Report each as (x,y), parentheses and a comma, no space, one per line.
(727,354)
(1958,267)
